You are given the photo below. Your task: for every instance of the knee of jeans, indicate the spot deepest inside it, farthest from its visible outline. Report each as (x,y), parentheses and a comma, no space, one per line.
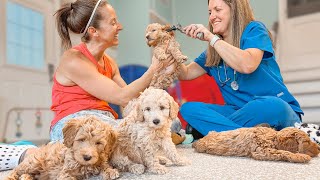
(56,133)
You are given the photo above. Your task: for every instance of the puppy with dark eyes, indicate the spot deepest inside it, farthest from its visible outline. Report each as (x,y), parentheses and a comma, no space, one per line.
(164,45)
(87,146)
(144,132)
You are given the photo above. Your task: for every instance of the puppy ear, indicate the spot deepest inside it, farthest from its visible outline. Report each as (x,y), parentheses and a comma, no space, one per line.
(174,107)
(112,138)
(138,112)
(166,27)
(70,131)
(111,141)
(140,116)
(135,113)
(303,141)
(129,107)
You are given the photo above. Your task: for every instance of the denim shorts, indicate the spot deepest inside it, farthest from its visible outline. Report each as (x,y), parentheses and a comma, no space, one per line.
(56,131)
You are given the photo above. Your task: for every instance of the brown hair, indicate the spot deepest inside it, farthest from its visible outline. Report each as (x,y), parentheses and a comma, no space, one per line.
(74,17)
(241,15)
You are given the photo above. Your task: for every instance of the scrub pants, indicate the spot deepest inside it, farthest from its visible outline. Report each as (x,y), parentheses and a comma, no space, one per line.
(211,117)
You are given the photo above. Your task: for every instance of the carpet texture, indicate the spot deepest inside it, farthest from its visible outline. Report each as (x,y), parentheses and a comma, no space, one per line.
(205,166)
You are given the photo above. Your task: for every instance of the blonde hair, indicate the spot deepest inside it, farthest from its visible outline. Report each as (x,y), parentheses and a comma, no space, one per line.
(241,16)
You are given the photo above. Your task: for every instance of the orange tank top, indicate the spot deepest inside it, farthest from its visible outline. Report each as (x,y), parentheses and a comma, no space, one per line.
(67,100)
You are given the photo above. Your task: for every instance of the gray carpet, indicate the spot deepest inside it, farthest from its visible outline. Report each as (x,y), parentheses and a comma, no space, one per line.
(206,166)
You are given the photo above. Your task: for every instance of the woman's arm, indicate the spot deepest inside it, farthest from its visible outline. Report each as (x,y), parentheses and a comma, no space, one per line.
(116,77)
(244,61)
(75,67)
(191,71)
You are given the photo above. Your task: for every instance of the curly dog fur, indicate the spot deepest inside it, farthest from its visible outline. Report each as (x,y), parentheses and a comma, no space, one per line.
(144,131)
(164,45)
(87,146)
(260,143)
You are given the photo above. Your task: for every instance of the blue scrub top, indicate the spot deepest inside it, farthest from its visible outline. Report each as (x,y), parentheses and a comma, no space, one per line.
(266,80)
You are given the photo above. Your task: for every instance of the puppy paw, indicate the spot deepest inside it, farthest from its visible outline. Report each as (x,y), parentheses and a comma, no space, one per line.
(111,174)
(300,158)
(162,57)
(182,162)
(165,161)
(182,59)
(159,169)
(137,169)
(25,177)
(11,178)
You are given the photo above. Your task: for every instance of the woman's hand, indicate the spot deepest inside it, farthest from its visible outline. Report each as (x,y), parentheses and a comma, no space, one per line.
(159,65)
(193,29)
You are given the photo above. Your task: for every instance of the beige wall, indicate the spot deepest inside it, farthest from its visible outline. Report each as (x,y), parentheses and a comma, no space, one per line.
(24,87)
(298,55)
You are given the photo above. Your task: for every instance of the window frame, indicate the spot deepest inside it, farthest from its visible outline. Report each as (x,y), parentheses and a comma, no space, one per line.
(40,7)
(302,9)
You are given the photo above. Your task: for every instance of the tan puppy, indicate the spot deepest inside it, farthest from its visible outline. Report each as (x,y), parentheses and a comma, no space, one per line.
(260,143)
(144,132)
(88,143)
(164,45)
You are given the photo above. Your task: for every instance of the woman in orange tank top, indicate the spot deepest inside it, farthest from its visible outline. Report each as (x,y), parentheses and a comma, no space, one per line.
(87,79)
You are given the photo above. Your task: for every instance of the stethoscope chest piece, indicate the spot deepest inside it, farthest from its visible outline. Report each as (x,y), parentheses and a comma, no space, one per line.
(234,85)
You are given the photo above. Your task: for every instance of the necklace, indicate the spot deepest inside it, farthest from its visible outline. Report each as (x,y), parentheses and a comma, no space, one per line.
(234,84)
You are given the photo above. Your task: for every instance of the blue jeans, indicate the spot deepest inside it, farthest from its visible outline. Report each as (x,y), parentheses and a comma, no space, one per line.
(210,117)
(106,116)
(56,130)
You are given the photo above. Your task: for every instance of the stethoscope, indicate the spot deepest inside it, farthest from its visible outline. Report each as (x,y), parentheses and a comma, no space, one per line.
(234,84)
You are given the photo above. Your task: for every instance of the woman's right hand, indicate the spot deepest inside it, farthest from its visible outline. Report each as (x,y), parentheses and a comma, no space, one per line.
(193,29)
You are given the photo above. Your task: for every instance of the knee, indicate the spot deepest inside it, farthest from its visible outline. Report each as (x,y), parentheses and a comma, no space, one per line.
(277,104)
(282,112)
(188,108)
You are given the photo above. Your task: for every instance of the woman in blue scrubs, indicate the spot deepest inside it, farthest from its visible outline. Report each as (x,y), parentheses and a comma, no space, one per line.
(241,58)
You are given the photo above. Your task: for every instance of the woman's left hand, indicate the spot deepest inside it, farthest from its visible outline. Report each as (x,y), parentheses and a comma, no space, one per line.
(193,29)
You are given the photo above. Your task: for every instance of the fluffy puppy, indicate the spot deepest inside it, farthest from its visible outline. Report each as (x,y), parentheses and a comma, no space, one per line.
(87,146)
(260,143)
(164,45)
(144,132)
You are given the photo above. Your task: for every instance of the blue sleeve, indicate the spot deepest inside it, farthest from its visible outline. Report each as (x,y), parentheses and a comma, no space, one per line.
(201,61)
(256,35)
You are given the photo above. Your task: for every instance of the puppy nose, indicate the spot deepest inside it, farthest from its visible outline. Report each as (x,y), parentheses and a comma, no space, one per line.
(86,157)
(147,36)
(156,121)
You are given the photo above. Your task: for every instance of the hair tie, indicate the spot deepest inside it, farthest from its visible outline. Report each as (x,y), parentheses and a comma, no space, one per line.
(71,6)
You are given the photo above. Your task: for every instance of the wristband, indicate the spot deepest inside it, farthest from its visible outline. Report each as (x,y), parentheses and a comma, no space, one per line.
(214,40)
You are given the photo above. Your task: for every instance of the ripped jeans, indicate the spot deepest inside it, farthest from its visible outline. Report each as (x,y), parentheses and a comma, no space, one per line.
(106,116)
